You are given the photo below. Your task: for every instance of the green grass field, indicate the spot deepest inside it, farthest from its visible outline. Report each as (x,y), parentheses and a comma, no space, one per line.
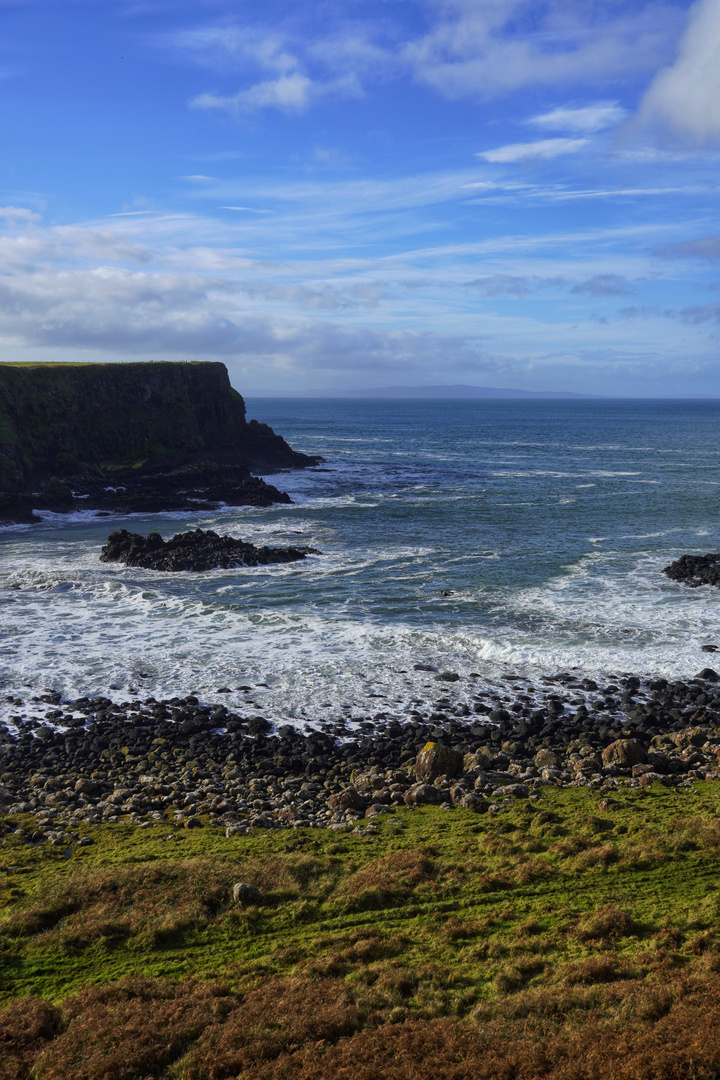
(541,920)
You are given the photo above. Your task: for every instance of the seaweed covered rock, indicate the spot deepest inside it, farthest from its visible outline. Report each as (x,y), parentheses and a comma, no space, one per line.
(197,550)
(695,570)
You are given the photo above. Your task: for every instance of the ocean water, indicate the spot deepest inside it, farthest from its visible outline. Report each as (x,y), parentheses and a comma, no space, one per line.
(500,537)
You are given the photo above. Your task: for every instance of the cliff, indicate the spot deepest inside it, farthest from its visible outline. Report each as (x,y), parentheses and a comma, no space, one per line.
(158,428)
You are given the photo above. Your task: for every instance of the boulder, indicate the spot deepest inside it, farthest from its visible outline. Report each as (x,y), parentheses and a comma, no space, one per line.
(520,791)
(245,894)
(347,799)
(420,794)
(547,759)
(625,753)
(480,761)
(650,778)
(435,760)
(367,781)
(695,570)
(474,802)
(691,736)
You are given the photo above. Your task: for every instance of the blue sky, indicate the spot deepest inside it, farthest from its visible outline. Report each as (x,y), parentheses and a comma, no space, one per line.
(344,195)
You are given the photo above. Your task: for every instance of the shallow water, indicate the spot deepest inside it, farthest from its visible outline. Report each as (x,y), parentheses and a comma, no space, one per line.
(495,537)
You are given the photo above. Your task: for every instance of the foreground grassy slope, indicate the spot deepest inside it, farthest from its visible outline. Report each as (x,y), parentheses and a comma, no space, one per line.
(562,926)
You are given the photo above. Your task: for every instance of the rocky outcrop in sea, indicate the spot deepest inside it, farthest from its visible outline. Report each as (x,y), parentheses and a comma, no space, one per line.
(695,570)
(196,550)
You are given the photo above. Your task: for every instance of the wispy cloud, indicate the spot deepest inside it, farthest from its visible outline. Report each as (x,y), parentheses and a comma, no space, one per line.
(291,93)
(545,148)
(587,118)
(604,285)
(482,48)
(704,247)
(512,284)
(703,313)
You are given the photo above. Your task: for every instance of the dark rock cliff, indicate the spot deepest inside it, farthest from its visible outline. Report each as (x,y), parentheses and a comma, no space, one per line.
(158,434)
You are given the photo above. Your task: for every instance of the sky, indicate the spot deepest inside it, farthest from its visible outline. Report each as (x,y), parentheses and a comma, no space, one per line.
(331,196)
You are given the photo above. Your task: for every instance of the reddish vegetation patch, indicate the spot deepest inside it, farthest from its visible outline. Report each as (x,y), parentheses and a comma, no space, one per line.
(273,1022)
(129,1030)
(301,1029)
(392,878)
(25,1027)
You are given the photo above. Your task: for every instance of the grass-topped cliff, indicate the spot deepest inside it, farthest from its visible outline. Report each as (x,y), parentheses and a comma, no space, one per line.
(70,420)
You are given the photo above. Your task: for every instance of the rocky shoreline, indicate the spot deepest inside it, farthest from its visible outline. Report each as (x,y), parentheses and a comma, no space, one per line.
(178,763)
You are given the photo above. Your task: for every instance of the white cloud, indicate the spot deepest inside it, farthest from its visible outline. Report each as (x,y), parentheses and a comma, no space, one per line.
(545,148)
(17,215)
(588,119)
(684,99)
(291,93)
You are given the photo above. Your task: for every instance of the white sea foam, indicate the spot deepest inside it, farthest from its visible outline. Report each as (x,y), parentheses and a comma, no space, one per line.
(472,555)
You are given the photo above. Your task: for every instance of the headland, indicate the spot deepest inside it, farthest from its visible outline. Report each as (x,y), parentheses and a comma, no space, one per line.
(131,437)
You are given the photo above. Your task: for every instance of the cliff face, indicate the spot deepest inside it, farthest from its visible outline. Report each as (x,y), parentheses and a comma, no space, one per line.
(104,420)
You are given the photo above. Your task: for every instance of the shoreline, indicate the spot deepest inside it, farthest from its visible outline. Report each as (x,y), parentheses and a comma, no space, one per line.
(179,763)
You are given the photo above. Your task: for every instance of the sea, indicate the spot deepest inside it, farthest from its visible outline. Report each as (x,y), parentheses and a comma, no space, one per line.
(506,538)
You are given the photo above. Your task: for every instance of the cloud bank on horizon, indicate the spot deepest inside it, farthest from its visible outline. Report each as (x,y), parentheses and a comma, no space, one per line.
(497,192)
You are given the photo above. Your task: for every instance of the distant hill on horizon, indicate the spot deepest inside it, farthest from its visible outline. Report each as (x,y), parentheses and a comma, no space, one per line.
(454,391)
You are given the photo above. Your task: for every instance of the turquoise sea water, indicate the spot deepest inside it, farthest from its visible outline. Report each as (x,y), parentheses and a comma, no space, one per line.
(496,537)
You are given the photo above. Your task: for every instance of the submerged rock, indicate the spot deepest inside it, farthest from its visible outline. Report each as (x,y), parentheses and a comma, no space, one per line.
(197,550)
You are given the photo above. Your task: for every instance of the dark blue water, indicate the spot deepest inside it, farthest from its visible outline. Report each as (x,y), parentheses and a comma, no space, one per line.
(502,536)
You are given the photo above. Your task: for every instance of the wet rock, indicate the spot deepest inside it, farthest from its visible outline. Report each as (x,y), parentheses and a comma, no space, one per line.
(436,760)
(17,510)
(196,550)
(695,570)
